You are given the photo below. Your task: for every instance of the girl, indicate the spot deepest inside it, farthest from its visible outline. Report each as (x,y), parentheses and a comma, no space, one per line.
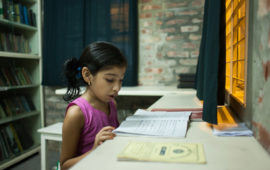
(91,117)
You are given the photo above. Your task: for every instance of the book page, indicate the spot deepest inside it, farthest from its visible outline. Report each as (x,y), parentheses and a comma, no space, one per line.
(162,124)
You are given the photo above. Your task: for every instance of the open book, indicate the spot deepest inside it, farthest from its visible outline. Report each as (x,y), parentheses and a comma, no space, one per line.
(160,124)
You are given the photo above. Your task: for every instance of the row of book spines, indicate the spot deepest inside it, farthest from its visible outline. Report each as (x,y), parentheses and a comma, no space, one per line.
(10,143)
(15,105)
(15,76)
(14,43)
(17,12)
(13,140)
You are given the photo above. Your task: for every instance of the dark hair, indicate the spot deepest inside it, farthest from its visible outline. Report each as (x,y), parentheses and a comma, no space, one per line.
(96,56)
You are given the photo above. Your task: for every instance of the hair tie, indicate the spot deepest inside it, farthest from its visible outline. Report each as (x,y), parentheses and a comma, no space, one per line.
(78,75)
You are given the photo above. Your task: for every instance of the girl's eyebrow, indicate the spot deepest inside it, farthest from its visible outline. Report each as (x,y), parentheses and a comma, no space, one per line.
(112,74)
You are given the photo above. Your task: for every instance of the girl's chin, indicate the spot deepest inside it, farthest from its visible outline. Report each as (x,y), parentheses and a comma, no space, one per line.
(111,98)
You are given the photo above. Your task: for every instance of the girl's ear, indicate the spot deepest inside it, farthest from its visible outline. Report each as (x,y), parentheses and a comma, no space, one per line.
(86,74)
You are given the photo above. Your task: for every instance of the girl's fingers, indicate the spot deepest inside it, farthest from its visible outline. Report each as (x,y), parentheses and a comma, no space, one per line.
(107,128)
(106,133)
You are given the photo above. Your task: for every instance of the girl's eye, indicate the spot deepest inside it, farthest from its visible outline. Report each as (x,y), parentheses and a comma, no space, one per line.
(109,80)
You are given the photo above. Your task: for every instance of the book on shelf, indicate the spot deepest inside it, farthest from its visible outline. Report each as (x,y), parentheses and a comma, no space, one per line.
(26,75)
(12,106)
(16,11)
(2,112)
(1,153)
(18,104)
(3,41)
(12,142)
(2,79)
(11,10)
(6,142)
(30,103)
(5,8)
(6,107)
(25,15)
(5,77)
(16,137)
(25,139)
(3,148)
(25,104)
(2,105)
(14,76)
(14,42)
(1,10)
(10,76)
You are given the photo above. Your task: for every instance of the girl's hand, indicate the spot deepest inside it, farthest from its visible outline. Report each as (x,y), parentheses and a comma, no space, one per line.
(103,135)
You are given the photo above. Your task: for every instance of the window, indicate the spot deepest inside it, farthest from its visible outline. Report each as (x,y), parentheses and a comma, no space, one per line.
(236,49)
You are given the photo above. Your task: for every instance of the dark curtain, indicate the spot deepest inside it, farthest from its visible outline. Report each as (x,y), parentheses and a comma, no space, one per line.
(70,25)
(210,74)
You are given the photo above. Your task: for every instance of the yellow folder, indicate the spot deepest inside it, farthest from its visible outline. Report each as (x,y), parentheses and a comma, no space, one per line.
(163,152)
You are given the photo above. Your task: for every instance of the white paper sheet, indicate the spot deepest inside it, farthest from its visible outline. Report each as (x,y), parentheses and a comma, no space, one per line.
(240,130)
(162,124)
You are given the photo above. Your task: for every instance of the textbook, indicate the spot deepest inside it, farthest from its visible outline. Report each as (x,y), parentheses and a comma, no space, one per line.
(163,152)
(158,124)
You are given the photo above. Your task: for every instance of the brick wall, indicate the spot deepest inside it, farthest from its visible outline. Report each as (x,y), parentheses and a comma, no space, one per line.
(169,39)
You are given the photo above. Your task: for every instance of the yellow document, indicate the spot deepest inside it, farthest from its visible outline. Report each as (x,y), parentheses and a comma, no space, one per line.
(163,152)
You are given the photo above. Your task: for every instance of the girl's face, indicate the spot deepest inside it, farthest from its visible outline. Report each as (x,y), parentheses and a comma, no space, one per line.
(106,84)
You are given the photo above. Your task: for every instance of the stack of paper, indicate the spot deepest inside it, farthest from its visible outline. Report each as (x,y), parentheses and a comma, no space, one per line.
(163,152)
(239,130)
(162,124)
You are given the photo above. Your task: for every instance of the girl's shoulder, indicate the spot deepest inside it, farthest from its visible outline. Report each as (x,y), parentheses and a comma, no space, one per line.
(74,114)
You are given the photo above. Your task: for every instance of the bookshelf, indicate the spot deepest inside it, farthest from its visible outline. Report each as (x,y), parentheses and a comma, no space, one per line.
(21,93)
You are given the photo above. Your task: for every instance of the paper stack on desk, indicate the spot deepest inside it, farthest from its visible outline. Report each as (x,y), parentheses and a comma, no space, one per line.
(239,130)
(160,124)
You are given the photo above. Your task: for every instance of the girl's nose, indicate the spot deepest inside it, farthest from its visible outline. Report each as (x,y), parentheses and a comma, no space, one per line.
(117,86)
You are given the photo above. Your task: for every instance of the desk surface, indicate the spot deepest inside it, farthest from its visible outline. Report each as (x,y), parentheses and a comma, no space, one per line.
(55,129)
(222,153)
(142,90)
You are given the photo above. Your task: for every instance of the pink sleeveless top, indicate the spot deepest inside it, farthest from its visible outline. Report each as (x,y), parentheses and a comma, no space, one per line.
(95,120)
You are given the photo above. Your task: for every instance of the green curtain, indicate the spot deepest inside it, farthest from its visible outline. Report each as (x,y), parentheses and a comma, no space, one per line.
(210,74)
(70,25)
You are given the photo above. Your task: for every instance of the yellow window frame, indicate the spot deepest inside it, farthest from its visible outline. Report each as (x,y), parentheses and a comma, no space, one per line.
(236,43)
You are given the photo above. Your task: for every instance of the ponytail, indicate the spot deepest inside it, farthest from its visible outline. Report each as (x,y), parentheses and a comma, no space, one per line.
(72,71)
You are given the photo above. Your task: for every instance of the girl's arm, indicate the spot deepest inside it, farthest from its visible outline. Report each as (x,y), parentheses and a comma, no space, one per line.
(72,127)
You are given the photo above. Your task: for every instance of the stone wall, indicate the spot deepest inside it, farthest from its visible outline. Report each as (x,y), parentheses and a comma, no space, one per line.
(169,39)
(259,71)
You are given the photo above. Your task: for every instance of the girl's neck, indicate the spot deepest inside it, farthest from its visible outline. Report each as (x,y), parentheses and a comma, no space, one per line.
(95,102)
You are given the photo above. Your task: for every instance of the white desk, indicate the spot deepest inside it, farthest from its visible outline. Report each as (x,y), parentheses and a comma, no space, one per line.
(141,90)
(52,132)
(222,153)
